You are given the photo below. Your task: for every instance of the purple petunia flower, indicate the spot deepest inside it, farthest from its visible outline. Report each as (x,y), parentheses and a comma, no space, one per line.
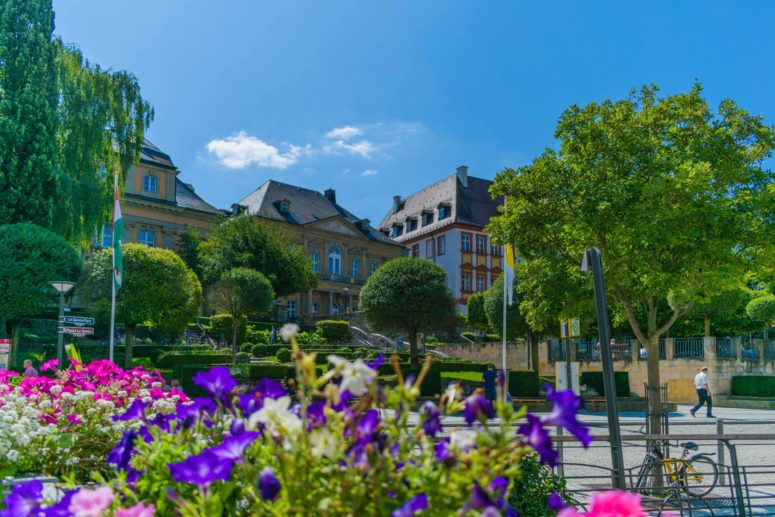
(344,398)
(122,452)
(478,408)
(233,447)
(23,500)
(268,484)
(202,469)
(376,363)
(217,382)
(499,487)
(316,416)
(412,506)
(135,411)
(61,508)
(538,438)
(566,404)
(366,429)
(479,500)
(442,450)
(188,414)
(555,502)
(431,419)
(253,401)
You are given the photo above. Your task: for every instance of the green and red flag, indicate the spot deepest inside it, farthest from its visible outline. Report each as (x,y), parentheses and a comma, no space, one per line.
(118,236)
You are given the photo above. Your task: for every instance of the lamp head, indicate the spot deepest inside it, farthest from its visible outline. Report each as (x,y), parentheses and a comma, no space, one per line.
(62,286)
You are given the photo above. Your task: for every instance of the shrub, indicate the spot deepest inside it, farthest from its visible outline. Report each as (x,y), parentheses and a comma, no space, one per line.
(171,359)
(310,338)
(344,350)
(490,338)
(523,383)
(283,355)
(271,371)
(594,380)
(257,336)
(155,354)
(246,347)
(469,335)
(530,492)
(753,386)
(267,350)
(242,357)
(334,331)
(221,325)
(459,366)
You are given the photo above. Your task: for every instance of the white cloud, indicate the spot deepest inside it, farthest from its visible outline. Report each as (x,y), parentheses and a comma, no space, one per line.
(344,133)
(241,150)
(363,148)
(370,172)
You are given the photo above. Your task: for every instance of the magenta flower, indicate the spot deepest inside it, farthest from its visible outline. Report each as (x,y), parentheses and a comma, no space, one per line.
(51,364)
(613,503)
(538,438)
(138,510)
(431,418)
(233,447)
(91,503)
(23,500)
(202,469)
(412,506)
(566,404)
(478,408)
(217,382)
(134,412)
(268,484)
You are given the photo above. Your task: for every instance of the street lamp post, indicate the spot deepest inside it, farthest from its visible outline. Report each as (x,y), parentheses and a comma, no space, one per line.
(62,287)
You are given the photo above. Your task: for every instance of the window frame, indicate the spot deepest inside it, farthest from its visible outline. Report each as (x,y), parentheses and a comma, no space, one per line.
(429,248)
(441,245)
(146,231)
(411,224)
(416,250)
(463,287)
(372,266)
(481,239)
(354,267)
(481,283)
(315,261)
(445,212)
(334,260)
(427,218)
(290,309)
(146,184)
(465,237)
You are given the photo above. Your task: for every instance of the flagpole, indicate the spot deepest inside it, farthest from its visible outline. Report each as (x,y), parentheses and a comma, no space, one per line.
(505,302)
(113,276)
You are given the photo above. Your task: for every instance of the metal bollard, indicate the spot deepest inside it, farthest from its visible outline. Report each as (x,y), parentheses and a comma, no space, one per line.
(720,449)
(560,455)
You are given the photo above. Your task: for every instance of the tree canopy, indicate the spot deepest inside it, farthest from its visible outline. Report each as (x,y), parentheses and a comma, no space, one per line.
(30,258)
(408,295)
(674,195)
(476,317)
(158,289)
(241,292)
(245,241)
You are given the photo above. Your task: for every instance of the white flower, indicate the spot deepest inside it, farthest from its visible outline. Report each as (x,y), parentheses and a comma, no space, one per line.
(12,455)
(288,331)
(356,376)
(277,418)
(324,444)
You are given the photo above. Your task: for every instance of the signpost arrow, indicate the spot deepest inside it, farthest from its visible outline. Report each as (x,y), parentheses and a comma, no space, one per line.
(79,331)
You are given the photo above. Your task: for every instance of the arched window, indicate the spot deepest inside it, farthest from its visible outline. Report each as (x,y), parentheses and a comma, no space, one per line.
(372,267)
(354,268)
(335,261)
(315,258)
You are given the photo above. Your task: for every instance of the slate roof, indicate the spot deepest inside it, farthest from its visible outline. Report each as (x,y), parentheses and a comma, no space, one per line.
(471,205)
(152,154)
(305,206)
(186,197)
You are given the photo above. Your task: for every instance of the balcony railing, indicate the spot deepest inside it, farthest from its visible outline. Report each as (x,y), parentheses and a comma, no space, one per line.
(344,279)
(689,348)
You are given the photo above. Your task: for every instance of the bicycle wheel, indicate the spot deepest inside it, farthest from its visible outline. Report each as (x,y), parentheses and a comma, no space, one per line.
(678,505)
(643,481)
(698,477)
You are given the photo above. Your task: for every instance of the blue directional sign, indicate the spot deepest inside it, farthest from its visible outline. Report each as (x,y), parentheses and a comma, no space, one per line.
(79,321)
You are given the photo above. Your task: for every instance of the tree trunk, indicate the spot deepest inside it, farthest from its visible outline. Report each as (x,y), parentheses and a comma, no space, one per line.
(414,347)
(129,330)
(534,362)
(707,325)
(3,328)
(234,335)
(654,393)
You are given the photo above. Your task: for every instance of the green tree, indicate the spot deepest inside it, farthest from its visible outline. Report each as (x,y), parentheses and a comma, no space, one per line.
(242,291)
(762,310)
(189,245)
(245,241)
(158,290)
(28,113)
(476,316)
(408,295)
(673,194)
(30,258)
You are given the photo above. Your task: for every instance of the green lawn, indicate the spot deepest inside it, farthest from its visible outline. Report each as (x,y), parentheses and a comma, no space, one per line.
(464,376)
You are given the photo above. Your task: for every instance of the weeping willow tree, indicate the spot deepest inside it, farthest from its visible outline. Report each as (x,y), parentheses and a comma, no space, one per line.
(66,125)
(102,118)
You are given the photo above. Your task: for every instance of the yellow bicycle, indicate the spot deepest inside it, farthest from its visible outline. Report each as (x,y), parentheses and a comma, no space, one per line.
(697,475)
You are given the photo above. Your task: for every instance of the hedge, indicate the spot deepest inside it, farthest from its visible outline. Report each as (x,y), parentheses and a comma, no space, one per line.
(523,383)
(274,371)
(431,384)
(753,386)
(334,331)
(594,380)
(170,359)
(261,350)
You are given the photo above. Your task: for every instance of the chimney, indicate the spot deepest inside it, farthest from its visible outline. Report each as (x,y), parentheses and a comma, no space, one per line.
(330,195)
(396,203)
(462,175)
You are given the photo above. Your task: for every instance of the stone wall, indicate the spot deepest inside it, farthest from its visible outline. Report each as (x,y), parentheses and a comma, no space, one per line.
(678,373)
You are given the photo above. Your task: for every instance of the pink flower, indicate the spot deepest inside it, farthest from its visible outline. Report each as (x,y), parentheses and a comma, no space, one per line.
(74,419)
(91,503)
(137,510)
(613,503)
(51,364)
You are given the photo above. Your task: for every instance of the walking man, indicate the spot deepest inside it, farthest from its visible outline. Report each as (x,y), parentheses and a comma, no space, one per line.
(702,384)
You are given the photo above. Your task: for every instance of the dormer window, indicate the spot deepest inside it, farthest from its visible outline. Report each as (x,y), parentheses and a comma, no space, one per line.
(284,206)
(150,183)
(444,211)
(427,218)
(411,225)
(397,230)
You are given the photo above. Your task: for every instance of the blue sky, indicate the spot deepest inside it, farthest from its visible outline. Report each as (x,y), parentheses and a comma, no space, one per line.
(375,98)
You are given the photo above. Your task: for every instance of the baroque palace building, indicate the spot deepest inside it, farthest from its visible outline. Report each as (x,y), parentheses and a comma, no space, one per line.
(445,223)
(157,205)
(343,249)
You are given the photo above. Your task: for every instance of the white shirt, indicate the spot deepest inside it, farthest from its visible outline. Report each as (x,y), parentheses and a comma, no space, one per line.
(700,380)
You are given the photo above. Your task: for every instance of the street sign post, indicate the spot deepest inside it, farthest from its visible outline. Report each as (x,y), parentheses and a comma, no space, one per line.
(79,321)
(79,331)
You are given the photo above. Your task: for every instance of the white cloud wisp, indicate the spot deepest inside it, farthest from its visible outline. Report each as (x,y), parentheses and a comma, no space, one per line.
(241,150)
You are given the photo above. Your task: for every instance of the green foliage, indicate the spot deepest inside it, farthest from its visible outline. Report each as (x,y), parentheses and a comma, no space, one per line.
(261,350)
(156,353)
(762,309)
(310,338)
(31,257)
(242,291)
(334,331)
(410,296)
(477,316)
(188,246)
(271,371)
(516,325)
(470,335)
(284,355)
(242,357)
(247,242)
(246,347)
(531,490)
(222,325)
(28,119)
(173,359)
(594,380)
(523,383)
(753,386)
(256,336)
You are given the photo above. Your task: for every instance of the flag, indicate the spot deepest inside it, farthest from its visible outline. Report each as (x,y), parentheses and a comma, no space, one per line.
(509,273)
(118,236)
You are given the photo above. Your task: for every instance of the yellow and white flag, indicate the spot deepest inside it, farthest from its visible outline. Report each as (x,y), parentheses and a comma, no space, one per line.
(509,271)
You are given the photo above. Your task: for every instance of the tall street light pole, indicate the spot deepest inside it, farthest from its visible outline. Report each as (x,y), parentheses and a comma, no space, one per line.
(62,287)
